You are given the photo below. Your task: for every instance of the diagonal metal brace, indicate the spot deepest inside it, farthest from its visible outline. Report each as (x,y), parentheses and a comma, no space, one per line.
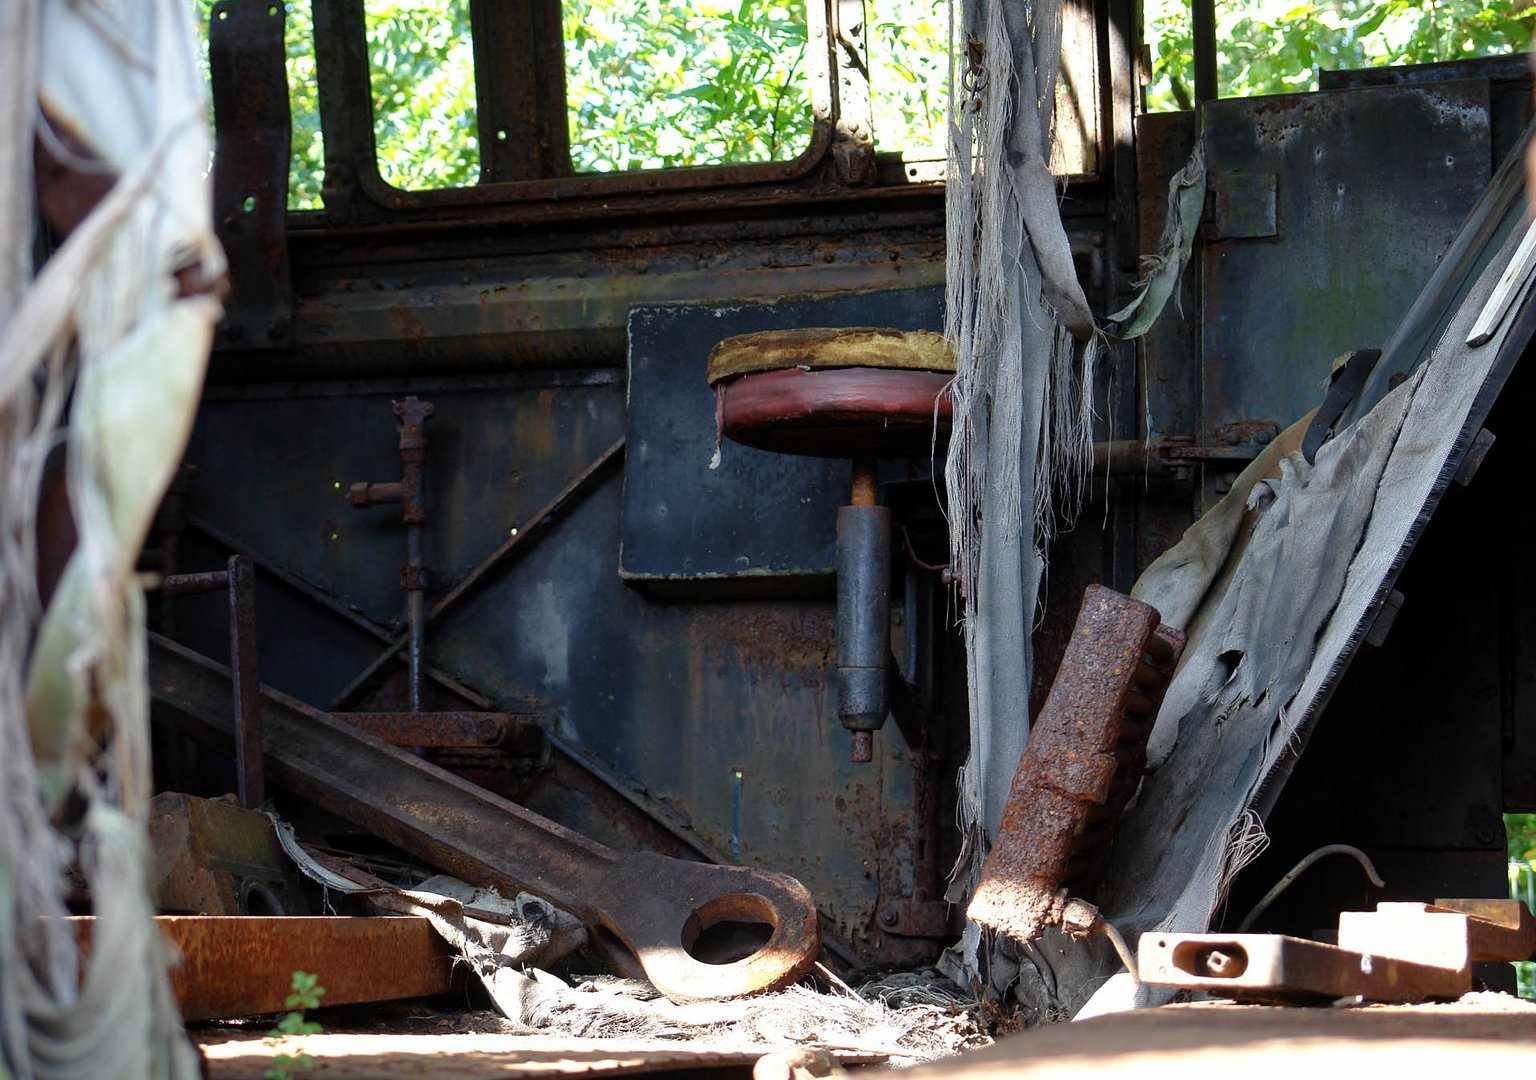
(514,547)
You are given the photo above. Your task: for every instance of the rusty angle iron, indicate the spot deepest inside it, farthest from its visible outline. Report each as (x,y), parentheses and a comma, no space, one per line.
(1081,765)
(654,906)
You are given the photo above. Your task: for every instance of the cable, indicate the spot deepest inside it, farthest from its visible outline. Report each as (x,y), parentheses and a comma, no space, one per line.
(1300,868)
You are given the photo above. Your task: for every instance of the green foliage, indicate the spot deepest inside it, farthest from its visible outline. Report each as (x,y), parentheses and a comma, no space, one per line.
(421,63)
(1278,46)
(1520,837)
(650,84)
(306,167)
(306,995)
(661,83)
(1520,845)
(909,74)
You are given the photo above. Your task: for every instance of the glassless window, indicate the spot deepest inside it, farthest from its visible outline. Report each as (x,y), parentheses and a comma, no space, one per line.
(653,84)
(909,74)
(421,65)
(1278,46)
(306,167)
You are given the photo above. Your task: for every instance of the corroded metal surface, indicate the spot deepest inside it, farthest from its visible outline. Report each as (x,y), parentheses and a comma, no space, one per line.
(1083,761)
(214,858)
(517,544)
(455,728)
(250,170)
(652,907)
(241,965)
(1502,929)
(1452,934)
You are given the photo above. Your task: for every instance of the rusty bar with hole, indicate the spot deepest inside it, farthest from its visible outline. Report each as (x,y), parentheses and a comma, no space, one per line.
(1286,970)
(242,965)
(1082,763)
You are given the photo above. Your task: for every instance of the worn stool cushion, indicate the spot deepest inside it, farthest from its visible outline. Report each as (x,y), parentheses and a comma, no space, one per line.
(822,348)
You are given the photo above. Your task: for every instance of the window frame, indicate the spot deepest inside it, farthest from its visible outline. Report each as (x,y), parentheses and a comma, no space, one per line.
(542,147)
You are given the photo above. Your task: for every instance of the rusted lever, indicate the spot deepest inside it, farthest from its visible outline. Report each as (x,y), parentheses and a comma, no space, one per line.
(653,906)
(657,907)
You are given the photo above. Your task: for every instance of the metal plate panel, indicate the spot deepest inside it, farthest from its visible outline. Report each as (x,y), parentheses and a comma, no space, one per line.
(1372,186)
(758,515)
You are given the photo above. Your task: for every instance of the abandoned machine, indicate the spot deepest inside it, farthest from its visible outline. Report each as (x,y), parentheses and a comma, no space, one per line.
(750,568)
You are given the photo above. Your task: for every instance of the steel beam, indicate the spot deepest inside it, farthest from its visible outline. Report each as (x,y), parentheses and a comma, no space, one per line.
(239,965)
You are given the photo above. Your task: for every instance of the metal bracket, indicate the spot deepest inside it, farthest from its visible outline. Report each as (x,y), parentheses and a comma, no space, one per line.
(915,918)
(1244,207)
(250,170)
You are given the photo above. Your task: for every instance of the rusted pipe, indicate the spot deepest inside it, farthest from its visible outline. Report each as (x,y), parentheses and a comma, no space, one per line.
(409,491)
(1128,457)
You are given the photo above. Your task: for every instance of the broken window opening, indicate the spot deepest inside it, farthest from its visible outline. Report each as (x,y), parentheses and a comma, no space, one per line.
(1280,46)
(909,76)
(657,84)
(421,67)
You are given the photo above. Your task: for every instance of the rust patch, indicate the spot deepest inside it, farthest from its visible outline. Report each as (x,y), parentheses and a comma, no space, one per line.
(1084,759)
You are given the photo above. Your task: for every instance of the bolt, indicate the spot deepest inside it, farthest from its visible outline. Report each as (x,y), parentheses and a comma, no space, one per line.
(889,918)
(861,746)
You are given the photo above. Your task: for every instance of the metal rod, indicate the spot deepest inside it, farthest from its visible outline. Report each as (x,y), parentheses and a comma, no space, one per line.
(189,584)
(515,546)
(415,623)
(245,682)
(1203,17)
(324,599)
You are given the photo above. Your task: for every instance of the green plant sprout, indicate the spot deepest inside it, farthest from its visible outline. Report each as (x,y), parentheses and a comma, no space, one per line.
(306,995)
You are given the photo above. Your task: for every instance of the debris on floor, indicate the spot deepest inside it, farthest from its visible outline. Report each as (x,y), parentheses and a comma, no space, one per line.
(604,1024)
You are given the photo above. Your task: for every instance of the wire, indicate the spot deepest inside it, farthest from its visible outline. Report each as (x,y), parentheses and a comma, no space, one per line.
(1300,868)
(1128,958)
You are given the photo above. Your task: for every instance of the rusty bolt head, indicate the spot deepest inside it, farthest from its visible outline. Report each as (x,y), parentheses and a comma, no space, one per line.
(861,746)
(889,917)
